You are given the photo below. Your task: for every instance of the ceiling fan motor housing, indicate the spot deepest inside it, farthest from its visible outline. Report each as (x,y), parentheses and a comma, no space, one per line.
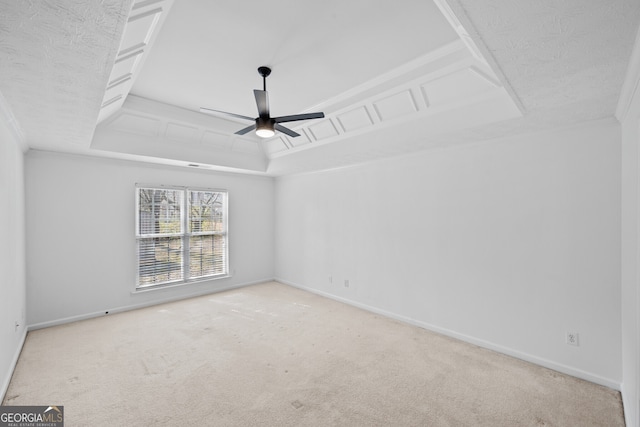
(263,122)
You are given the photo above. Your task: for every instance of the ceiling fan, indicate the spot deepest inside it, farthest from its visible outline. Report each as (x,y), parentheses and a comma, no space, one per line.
(265,125)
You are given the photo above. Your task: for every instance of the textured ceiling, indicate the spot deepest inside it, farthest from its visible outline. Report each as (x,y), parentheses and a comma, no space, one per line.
(565,60)
(55,61)
(389,75)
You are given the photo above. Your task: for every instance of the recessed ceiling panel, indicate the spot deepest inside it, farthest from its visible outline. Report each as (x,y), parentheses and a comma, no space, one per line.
(111,99)
(323,130)
(301,140)
(245,146)
(124,67)
(216,140)
(137,124)
(139,29)
(456,87)
(142,25)
(275,145)
(396,105)
(355,119)
(181,133)
(111,108)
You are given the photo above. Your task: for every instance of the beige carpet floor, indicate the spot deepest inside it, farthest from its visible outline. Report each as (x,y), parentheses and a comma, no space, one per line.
(272,355)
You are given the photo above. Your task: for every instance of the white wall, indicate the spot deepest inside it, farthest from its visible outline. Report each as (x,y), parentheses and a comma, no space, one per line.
(508,244)
(81,237)
(630,243)
(630,238)
(12,252)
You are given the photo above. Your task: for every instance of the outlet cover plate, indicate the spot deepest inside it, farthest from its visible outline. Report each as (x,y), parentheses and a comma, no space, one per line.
(573,338)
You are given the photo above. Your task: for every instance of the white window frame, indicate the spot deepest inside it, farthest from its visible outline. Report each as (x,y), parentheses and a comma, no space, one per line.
(184,234)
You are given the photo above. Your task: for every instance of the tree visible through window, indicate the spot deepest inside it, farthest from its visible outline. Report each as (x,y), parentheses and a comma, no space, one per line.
(207,247)
(181,234)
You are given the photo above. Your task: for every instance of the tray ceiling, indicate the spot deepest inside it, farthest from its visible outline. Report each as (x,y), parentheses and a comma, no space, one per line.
(126,79)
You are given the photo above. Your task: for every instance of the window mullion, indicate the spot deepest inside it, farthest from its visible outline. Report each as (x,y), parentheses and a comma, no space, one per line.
(186,241)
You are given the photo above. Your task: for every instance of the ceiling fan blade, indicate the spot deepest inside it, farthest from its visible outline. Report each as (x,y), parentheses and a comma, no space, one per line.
(224,114)
(297,117)
(262,101)
(246,130)
(285,130)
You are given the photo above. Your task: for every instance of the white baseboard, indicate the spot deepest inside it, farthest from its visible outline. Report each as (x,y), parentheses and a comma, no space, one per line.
(12,368)
(628,406)
(578,373)
(115,310)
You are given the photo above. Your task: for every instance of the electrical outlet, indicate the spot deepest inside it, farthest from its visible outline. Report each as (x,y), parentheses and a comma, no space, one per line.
(346,283)
(330,279)
(573,339)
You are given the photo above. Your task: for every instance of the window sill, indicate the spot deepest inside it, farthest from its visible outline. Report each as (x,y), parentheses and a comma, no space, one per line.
(178,284)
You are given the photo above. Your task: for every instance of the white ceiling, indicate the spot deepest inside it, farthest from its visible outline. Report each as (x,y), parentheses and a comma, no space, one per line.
(207,53)
(126,78)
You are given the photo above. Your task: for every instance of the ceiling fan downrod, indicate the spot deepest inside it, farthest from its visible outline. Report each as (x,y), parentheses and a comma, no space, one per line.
(264,72)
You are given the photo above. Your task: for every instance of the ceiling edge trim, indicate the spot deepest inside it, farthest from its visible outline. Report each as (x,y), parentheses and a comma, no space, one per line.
(421,106)
(148,161)
(462,24)
(137,53)
(393,122)
(400,71)
(589,124)
(629,89)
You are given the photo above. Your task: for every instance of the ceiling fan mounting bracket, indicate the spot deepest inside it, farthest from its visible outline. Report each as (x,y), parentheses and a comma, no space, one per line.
(264,71)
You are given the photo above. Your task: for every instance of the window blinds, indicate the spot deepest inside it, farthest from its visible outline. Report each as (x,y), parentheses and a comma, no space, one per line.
(208,235)
(181,235)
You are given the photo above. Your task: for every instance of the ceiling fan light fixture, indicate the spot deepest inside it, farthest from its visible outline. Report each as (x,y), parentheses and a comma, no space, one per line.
(264,128)
(265,132)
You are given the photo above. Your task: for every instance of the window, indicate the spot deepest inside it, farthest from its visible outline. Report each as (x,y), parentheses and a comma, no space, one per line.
(181,235)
